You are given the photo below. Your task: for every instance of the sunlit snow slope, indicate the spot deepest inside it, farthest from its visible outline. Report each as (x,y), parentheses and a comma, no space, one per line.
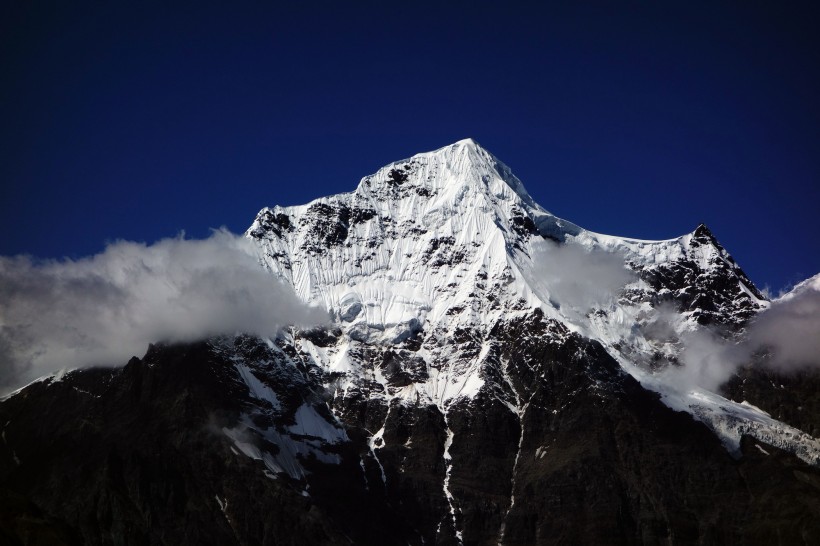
(432,253)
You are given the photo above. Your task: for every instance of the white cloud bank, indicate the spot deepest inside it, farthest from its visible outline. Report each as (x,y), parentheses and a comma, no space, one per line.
(787,332)
(707,360)
(103,309)
(578,279)
(785,338)
(790,328)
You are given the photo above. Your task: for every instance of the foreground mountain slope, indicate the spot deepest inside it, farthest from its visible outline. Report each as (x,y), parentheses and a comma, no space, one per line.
(477,385)
(152,453)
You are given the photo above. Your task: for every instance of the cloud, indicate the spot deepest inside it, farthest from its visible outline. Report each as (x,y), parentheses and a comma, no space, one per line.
(707,360)
(786,335)
(103,309)
(579,279)
(789,330)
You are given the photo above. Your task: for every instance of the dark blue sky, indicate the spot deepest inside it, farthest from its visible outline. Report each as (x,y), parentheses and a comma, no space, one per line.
(640,120)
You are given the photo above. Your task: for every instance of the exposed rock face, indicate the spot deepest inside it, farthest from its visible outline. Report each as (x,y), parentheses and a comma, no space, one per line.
(707,290)
(140,455)
(792,397)
(134,456)
(459,397)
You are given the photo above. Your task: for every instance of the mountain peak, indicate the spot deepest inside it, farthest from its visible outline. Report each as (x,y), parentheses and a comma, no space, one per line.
(703,235)
(702,231)
(465,144)
(467,150)
(461,317)
(462,164)
(469,141)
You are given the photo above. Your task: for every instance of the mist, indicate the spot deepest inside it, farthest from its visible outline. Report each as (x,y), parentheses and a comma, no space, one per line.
(706,360)
(789,330)
(578,279)
(103,309)
(785,337)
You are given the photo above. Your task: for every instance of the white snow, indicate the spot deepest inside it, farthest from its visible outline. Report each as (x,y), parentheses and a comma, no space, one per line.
(258,389)
(730,420)
(376,441)
(433,250)
(364,474)
(291,450)
(310,423)
(448,469)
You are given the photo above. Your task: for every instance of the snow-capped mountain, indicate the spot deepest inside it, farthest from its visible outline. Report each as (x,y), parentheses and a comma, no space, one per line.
(492,374)
(449,244)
